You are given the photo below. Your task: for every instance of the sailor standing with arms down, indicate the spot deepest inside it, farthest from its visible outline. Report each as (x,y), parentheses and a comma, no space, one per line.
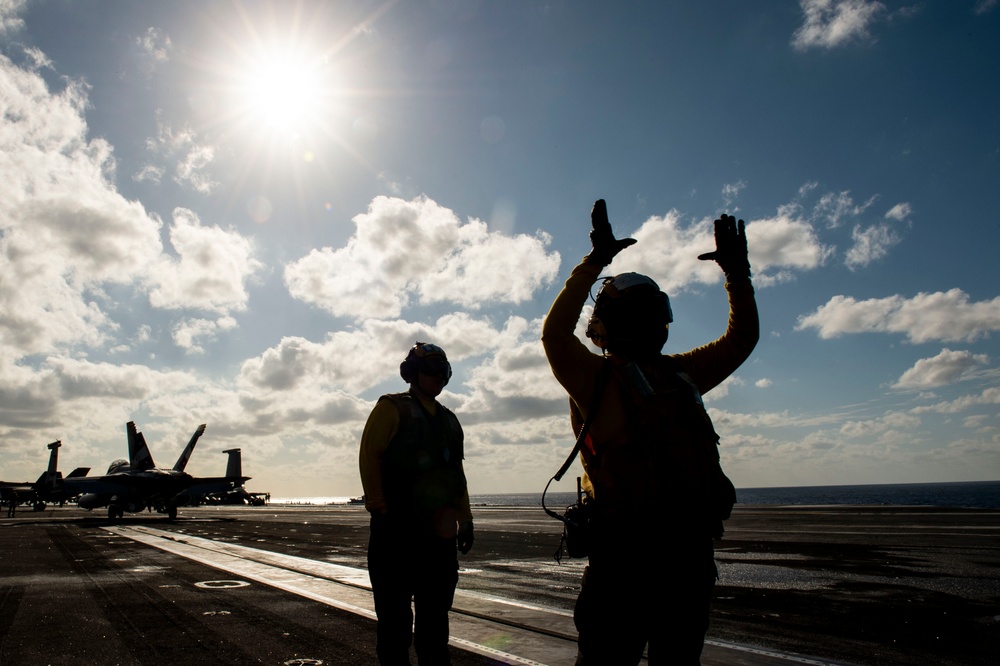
(656,494)
(415,489)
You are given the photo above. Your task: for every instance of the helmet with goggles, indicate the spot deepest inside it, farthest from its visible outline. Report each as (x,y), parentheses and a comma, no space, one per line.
(631,316)
(426,358)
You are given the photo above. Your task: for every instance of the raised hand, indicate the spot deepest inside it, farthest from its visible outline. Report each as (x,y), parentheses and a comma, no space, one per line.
(730,248)
(606,246)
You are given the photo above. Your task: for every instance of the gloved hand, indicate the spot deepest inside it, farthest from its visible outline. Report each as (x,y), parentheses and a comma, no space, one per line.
(730,248)
(465,537)
(606,246)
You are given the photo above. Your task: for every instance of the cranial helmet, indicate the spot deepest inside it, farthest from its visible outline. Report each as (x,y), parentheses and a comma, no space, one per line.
(426,358)
(631,316)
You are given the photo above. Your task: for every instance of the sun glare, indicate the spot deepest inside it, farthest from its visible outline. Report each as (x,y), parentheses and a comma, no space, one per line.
(286,92)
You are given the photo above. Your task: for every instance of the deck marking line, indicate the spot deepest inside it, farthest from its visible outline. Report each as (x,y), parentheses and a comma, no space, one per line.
(234,564)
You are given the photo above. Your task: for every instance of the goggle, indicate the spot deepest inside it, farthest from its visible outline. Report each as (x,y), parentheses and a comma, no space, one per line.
(434,366)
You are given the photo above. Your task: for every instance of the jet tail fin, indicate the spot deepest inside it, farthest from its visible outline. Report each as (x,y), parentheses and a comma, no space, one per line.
(139,457)
(189,449)
(79,472)
(54,456)
(50,477)
(234,468)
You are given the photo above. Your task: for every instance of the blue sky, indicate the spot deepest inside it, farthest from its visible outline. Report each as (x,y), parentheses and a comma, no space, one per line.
(243,214)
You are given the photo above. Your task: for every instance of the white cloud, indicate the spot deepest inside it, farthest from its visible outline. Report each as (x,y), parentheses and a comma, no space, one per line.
(149,173)
(77,393)
(417,249)
(984,6)
(890,423)
(190,334)
(870,245)
(155,48)
(763,383)
(668,252)
(190,155)
(830,23)
(191,166)
(212,269)
(989,396)
(899,212)
(722,390)
(947,367)
(9,15)
(356,360)
(977,422)
(731,192)
(833,207)
(784,242)
(516,383)
(64,230)
(946,316)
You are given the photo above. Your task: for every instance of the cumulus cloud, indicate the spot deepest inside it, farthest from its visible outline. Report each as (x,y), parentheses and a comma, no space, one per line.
(356,360)
(190,155)
(870,244)
(873,242)
(149,173)
(668,252)
(946,316)
(899,212)
(417,249)
(989,396)
(155,48)
(77,392)
(211,270)
(784,242)
(516,383)
(190,334)
(984,6)
(722,390)
(731,192)
(831,23)
(833,207)
(64,229)
(947,367)
(892,421)
(9,15)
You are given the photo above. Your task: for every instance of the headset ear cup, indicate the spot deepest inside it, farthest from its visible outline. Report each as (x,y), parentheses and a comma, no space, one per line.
(597,333)
(406,372)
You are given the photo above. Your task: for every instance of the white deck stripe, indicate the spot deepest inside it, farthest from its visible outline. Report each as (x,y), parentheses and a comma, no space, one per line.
(329,582)
(349,589)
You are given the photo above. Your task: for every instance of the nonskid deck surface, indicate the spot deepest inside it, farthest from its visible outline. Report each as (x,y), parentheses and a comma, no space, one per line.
(504,630)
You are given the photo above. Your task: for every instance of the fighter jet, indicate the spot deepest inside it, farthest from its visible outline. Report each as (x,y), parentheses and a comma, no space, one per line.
(218,487)
(136,484)
(48,487)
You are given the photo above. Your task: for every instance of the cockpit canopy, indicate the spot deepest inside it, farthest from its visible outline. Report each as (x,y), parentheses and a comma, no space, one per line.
(120,465)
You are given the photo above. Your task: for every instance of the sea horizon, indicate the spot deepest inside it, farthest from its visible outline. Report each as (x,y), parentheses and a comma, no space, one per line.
(973,494)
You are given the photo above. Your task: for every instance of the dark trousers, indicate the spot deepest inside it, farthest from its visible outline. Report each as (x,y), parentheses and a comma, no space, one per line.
(407,564)
(634,594)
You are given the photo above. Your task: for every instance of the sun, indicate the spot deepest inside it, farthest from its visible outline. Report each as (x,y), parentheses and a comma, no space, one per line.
(285,92)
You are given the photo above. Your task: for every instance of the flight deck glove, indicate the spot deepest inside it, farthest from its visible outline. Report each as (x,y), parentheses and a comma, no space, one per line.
(465,536)
(606,246)
(730,248)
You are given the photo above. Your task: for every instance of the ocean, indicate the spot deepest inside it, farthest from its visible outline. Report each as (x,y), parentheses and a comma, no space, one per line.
(975,494)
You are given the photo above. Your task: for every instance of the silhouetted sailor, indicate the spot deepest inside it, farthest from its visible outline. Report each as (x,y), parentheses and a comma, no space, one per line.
(415,489)
(656,494)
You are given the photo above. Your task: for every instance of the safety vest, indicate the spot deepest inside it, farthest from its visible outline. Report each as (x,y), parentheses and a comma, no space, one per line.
(421,467)
(666,459)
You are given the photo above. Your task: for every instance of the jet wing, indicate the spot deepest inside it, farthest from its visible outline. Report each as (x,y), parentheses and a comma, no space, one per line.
(214,484)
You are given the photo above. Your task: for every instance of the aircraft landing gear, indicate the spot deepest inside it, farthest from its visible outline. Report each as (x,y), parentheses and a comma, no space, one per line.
(115,513)
(171,512)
